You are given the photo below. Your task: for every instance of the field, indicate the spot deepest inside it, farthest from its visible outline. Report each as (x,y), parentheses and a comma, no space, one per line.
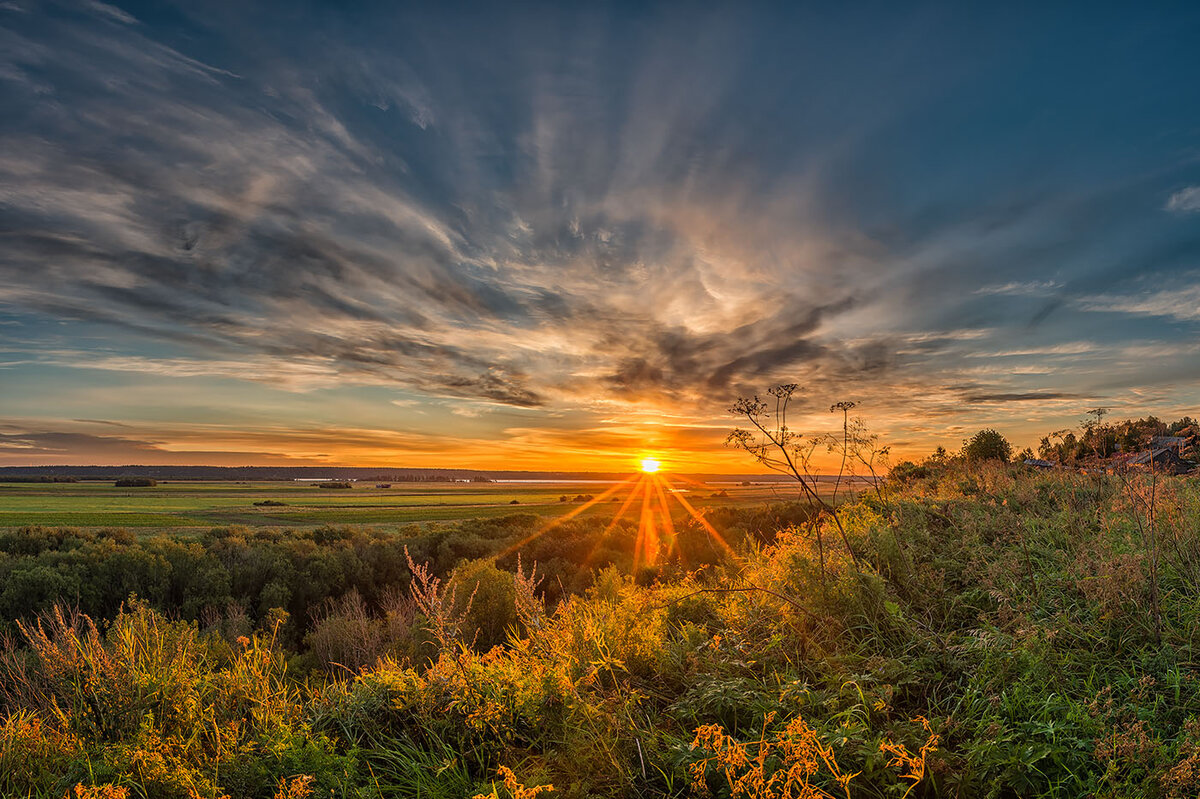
(196,506)
(989,631)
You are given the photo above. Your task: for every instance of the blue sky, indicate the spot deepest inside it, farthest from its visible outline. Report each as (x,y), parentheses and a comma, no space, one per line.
(559,235)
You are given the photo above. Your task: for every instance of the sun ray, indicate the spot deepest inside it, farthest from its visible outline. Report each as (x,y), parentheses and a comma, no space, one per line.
(684,479)
(657,535)
(647,540)
(664,512)
(565,517)
(629,500)
(703,522)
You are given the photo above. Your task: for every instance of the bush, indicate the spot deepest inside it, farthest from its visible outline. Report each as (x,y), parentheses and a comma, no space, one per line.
(335,484)
(136,482)
(493,610)
(988,445)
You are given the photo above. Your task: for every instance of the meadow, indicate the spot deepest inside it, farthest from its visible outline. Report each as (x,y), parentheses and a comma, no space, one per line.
(198,506)
(969,630)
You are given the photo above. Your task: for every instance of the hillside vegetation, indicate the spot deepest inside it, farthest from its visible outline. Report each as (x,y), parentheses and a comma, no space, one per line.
(994,632)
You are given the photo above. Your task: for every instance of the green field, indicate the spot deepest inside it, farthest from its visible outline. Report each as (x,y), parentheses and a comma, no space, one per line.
(201,505)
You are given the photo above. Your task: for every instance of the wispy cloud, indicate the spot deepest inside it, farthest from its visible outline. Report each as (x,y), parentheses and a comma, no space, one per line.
(304,254)
(1021,288)
(1180,303)
(1186,200)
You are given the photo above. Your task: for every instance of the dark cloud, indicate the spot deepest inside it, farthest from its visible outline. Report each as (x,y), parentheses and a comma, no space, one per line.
(45,448)
(1032,396)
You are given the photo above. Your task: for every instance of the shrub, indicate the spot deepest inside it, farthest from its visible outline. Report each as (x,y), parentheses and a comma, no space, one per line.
(988,445)
(493,611)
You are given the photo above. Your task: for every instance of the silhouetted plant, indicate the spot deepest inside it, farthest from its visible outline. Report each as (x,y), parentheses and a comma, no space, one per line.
(776,446)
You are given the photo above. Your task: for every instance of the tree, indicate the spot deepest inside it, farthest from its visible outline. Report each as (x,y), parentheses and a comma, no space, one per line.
(136,482)
(988,445)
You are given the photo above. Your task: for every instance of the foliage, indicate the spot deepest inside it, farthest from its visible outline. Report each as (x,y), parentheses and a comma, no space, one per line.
(1096,438)
(786,763)
(987,445)
(997,636)
(240,571)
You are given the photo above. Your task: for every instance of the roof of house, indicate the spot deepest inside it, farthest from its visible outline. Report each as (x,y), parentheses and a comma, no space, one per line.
(1154,454)
(1041,464)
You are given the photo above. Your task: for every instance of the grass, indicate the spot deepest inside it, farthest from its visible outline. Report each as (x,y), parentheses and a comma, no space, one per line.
(177,505)
(22,518)
(995,636)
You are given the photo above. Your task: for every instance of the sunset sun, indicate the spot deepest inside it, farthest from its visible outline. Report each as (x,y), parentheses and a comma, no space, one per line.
(649,465)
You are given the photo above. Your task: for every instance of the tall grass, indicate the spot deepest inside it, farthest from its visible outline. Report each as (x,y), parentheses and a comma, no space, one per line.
(995,637)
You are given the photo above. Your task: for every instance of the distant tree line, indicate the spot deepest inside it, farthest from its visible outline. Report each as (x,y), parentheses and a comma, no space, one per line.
(1097,439)
(38,478)
(255,473)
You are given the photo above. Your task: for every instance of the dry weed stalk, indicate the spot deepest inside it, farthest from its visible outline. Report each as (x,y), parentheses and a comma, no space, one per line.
(439,604)
(531,608)
(776,446)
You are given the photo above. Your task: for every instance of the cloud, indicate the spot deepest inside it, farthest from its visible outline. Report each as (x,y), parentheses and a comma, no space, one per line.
(272,235)
(1066,348)
(575,214)
(46,448)
(1029,396)
(112,12)
(1020,288)
(1186,200)
(1182,304)
(87,441)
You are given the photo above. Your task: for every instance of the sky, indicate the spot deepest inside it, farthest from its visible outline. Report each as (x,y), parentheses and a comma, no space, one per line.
(567,235)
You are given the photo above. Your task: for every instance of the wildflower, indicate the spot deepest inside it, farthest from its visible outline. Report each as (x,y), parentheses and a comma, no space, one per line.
(516,789)
(911,767)
(299,787)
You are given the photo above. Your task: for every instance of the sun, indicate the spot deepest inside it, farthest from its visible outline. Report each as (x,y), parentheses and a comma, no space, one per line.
(650,465)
